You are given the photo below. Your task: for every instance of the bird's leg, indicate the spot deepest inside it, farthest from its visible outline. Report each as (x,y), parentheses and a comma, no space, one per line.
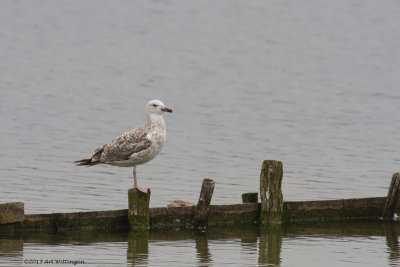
(143,189)
(134,177)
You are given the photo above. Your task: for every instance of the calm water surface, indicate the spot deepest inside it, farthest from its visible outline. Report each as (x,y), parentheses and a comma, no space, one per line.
(315,85)
(352,244)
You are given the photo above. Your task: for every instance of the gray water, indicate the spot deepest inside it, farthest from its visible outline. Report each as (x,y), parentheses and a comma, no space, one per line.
(352,244)
(313,84)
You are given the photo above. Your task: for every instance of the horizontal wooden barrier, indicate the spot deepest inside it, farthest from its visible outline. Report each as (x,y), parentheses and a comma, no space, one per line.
(271,210)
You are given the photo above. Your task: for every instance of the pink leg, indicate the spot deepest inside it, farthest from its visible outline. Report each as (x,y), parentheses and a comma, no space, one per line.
(143,189)
(134,177)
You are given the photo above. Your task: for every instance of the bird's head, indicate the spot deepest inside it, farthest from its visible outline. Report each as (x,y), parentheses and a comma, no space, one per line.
(156,107)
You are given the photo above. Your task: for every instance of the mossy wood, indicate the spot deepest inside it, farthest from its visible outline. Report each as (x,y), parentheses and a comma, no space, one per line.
(138,209)
(12,212)
(219,215)
(271,192)
(340,210)
(250,197)
(203,205)
(272,209)
(392,203)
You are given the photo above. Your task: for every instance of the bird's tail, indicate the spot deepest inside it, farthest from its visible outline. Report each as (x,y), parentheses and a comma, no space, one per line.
(93,160)
(87,162)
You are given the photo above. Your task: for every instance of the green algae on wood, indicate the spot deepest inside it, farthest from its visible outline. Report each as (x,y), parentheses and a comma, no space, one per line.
(138,209)
(173,217)
(12,212)
(234,214)
(219,215)
(251,197)
(87,221)
(333,210)
(271,192)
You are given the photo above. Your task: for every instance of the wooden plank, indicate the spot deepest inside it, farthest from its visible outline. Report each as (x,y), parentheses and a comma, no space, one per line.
(88,221)
(174,217)
(333,210)
(251,197)
(219,215)
(235,214)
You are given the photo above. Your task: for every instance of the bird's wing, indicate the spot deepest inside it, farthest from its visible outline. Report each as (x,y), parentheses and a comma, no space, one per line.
(122,147)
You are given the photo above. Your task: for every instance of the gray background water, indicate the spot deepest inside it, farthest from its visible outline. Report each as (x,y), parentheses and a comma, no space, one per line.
(351,244)
(313,84)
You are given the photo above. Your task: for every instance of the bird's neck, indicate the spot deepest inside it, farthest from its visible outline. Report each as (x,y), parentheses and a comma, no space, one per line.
(156,119)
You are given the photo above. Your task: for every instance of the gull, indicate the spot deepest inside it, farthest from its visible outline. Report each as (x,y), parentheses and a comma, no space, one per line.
(136,146)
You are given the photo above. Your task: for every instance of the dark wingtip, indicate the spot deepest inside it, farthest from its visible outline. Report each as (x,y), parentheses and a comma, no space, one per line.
(85,162)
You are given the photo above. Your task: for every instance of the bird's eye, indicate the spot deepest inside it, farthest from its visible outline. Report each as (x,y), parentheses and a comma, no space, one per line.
(154,105)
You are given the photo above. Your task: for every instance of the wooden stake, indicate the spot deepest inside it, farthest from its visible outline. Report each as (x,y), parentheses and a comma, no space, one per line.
(12,212)
(271,192)
(203,206)
(393,197)
(138,209)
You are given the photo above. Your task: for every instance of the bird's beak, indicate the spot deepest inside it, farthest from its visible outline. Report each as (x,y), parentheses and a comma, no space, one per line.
(165,109)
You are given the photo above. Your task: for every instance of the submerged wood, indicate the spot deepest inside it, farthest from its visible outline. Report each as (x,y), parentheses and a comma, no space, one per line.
(393,197)
(138,209)
(271,192)
(203,205)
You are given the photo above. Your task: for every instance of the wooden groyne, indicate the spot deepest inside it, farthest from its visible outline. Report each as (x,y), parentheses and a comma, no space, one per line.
(271,210)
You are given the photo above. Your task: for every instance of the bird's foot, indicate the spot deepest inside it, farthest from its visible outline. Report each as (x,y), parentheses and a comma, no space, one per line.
(142,189)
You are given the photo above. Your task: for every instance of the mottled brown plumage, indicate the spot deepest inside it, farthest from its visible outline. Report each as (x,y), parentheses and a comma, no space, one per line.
(136,146)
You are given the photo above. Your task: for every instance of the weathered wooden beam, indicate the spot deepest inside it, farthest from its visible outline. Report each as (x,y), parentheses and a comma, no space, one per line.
(333,210)
(250,197)
(138,209)
(236,214)
(12,212)
(393,197)
(174,217)
(203,205)
(271,192)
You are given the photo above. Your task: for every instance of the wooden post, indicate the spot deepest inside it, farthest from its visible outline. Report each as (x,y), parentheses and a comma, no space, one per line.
(250,197)
(12,212)
(393,197)
(138,209)
(203,206)
(271,192)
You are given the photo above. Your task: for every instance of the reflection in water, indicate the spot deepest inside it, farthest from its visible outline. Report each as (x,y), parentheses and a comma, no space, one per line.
(393,243)
(203,253)
(138,248)
(270,245)
(11,250)
(243,246)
